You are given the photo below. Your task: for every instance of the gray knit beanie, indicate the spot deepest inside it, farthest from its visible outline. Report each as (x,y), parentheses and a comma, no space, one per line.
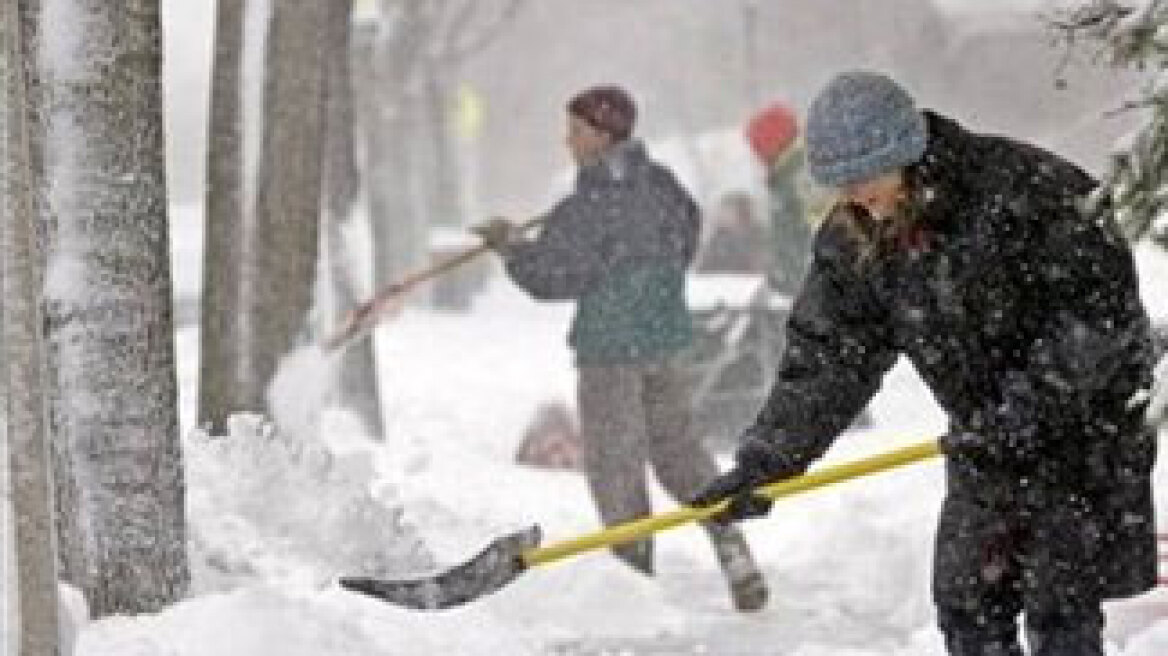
(862,125)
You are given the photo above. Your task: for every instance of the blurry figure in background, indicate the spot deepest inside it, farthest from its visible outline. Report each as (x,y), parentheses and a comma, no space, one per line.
(737,242)
(998,270)
(793,199)
(619,246)
(773,136)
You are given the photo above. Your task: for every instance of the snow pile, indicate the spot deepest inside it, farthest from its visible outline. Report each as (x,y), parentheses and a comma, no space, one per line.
(273,518)
(253,621)
(301,389)
(1153,642)
(279,509)
(72,616)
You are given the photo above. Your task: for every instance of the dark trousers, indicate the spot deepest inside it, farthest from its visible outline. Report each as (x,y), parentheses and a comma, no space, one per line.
(631,417)
(997,559)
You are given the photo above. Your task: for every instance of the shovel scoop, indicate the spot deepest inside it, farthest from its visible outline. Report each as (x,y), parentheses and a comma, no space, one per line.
(509,556)
(493,568)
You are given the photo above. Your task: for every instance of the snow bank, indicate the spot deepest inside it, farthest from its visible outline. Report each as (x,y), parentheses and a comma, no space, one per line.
(274,518)
(1153,642)
(266,507)
(301,388)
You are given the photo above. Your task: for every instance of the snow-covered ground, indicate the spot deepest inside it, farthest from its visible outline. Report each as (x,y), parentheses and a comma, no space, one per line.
(276,520)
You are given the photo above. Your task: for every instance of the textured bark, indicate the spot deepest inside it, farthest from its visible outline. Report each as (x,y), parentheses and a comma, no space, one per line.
(289,191)
(108,317)
(358,369)
(220,332)
(26,428)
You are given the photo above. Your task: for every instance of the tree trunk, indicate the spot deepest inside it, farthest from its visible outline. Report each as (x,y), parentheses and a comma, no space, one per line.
(398,229)
(358,368)
(25,427)
(70,543)
(220,334)
(444,202)
(108,321)
(289,191)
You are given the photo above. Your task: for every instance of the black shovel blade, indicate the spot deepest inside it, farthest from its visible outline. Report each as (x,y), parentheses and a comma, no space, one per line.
(493,568)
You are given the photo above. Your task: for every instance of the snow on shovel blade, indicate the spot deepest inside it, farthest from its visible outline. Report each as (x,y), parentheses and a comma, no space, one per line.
(493,568)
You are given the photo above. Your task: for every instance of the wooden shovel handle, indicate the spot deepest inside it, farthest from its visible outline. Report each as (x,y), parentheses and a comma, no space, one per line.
(363,317)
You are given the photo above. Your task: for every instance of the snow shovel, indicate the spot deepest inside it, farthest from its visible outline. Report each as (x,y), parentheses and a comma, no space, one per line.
(361,319)
(509,556)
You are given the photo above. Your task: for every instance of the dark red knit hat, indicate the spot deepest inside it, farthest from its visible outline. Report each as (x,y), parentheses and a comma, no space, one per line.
(608,108)
(771,131)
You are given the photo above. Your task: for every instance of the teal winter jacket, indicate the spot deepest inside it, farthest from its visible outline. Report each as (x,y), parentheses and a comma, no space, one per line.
(619,246)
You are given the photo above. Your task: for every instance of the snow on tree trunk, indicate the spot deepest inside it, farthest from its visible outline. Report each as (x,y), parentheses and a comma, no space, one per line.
(358,368)
(26,431)
(108,322)
(225,224)
(285,248)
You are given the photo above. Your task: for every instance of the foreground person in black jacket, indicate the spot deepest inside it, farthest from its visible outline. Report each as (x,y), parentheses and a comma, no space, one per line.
(992,266)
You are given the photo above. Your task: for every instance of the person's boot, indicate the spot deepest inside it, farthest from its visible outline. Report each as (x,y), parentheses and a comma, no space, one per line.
(748,588)
(638,555)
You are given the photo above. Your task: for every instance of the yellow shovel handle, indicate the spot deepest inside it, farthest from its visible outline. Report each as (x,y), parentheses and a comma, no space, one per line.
(639,528)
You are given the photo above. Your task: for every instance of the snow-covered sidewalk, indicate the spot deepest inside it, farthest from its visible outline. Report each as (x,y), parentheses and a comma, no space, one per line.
(848,566)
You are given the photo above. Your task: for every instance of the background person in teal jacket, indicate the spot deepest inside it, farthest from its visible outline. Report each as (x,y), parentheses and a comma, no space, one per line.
(619,246)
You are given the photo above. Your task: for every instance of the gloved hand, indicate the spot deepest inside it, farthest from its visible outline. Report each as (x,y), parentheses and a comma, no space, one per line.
(738,485)
(757,464)
(497,232)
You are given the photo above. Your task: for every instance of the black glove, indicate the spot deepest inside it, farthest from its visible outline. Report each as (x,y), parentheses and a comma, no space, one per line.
(738,486)
(757,464)
(497,233)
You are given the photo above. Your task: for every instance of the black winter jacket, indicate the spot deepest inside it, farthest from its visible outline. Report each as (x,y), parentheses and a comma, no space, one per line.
(1015,298)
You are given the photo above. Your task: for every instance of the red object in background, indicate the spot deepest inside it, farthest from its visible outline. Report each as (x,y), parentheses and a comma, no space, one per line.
(771,131)
(551,440)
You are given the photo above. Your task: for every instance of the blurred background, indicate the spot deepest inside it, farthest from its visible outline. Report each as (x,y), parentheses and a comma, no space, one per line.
(695,66)
(457,114)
